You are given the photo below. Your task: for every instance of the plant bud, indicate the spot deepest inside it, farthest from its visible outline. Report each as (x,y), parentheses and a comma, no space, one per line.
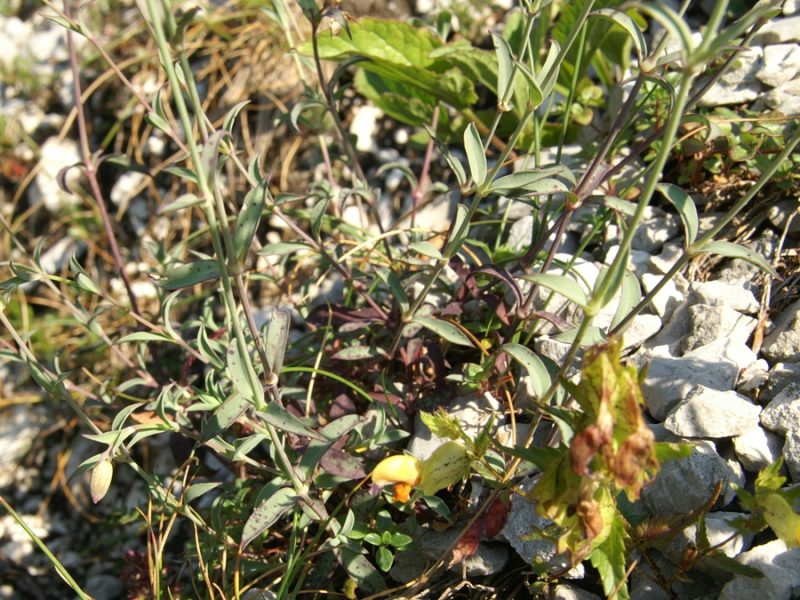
(101,480)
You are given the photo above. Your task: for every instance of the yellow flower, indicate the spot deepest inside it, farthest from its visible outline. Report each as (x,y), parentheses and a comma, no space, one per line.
(402,470)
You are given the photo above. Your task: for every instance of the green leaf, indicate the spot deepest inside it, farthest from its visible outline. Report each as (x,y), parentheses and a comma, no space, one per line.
(384,558)
(452,161)
(277,339)
(360,569)
(401,101)
(731,250)
(448,465)
(282,419)
(459,231)
(398,52)
(158,122)
(248,219)
(225,415)
(525,180)
(782,518)
(240,371)
(629,25)
(426,249)
(505,66)
(144,336)
(445,329)
(359,353)
(475,155)
(540,376)
(194,491)
(281,248)
(267,513)
(676,27)
(609,560)
(629,298)
(684,204)
(442,425)
(181,202)
(230,117)
(566,286)
(190,274)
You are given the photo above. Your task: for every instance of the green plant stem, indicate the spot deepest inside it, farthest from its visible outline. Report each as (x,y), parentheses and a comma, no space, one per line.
(697,247)
(214,228)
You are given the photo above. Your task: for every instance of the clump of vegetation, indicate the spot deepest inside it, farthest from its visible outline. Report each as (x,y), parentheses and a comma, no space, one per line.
(296,332)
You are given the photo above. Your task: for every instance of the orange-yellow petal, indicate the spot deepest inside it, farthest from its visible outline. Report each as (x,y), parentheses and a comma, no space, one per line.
(400,468)
(402,491)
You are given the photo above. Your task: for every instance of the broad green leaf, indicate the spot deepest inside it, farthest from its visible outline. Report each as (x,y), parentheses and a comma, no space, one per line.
(448,465)
(540,377)
(629,25)
(473,146)
(731,250)
(190,274)
(566,286)
(401,101)
(399,52)
(248,219)
(782,518)
(445,329)
(384,558)
(267,513)
(684,204)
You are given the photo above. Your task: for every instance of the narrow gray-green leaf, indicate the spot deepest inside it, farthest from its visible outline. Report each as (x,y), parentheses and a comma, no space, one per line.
(282,419)
(731,250)
(225,415)
(629,25)
(190,274)
(230,116)
(505,68)
(426,249)
(181,202)
(684,204)
(566,286)
(630,297)
(540,377)
(476,158)
(459,232)
(194,491)
(240,373)
(359,353)
(144,336)
(277,339)
(281,248)
(267,513)
(248,219)
(455,164)
(445,329)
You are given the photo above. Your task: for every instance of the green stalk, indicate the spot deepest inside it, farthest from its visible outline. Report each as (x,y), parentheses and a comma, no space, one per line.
(214,228)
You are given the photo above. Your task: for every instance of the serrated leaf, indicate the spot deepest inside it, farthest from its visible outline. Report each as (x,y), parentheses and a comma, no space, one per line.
(441,424)
(566,286)
(731,250)
(540,377)
(248,219)
(684,204)
(609,560)
(190,274)
(475,155)
(267,513)
(445,329)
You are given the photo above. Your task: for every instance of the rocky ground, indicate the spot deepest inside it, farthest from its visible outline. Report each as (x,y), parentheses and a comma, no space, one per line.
(722,344)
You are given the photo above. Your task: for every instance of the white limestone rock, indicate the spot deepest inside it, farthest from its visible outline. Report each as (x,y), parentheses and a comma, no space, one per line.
(781,63)
(739,83)
(779,31)
(783,342)
(668,297)
(709,413)
(791,454)
(55,155)
(753,377)
(780,375)
(781,569)
(656,227)
(710,323)
(782,414)
(721,293)
(757,449)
